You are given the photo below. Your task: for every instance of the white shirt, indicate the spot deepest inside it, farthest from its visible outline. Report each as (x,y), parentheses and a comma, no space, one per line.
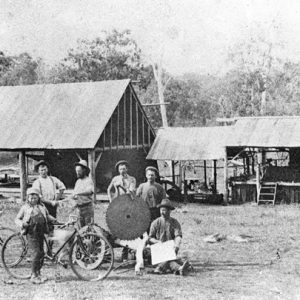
(128,182)
(84,185)
(48,187)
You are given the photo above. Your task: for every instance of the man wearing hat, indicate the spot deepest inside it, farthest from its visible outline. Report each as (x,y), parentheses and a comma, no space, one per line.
(51,188)
(151,192)
(83,193)
(122,183)
(163,229)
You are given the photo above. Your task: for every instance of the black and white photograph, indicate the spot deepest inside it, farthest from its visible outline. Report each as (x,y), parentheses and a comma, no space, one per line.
(149,149)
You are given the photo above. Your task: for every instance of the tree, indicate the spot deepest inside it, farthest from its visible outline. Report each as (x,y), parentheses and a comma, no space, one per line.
(111,56)
(255,58)
(187,104)
(161,81)
(17,70)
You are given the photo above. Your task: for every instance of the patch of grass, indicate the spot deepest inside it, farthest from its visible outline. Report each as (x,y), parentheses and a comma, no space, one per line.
(225,270)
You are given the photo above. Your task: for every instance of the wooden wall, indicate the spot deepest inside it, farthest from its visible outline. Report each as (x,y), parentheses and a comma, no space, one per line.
(62,165)
(242,193)
(128,126)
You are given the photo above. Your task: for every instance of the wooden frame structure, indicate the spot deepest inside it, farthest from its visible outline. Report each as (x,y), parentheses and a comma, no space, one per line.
(258,142)
(124,124)
(128,127)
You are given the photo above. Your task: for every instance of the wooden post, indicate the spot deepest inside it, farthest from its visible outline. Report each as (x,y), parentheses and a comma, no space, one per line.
(124,141)
(248,165)
(205,175)
(257,181)
(143,130)
(149,141)
(263,160)
(118,127)
(91,162)
(111,133)
(185,190)
(137,124)
(173,171)
(23,175)
(97,159)
(130,112)
(184,186)
(225,177)
(180,175)
(212,171)
(215,176)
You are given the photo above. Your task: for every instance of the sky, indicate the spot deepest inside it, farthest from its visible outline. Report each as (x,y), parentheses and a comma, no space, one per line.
(188,35)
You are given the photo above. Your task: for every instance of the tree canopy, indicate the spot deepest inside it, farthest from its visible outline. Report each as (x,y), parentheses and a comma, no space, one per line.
(257,81)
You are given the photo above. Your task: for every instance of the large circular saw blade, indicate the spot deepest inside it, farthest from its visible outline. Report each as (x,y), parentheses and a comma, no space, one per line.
(127,218)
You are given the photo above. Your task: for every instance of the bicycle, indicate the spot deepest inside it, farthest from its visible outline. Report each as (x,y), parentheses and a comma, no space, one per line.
(5,232)
(91,256)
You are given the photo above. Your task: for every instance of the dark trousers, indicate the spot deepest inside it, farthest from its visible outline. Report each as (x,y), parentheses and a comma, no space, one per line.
(51,209)
(172,265)
(52,212)
(86,215)
(35,244)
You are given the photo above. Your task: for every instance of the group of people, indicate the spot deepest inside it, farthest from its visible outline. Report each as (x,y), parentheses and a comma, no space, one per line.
(43,199)
(163,227)
(40,210)
(151,191)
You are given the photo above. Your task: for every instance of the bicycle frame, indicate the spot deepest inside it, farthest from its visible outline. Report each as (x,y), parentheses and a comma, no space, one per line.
(75,236)
(55,255)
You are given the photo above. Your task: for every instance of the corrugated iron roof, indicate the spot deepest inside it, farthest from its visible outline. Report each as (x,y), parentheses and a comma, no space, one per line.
(190,143)
(57,116)
(265,132)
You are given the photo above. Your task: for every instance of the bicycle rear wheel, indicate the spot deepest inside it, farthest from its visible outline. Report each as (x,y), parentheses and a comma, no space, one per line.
(91,257)
(14,255)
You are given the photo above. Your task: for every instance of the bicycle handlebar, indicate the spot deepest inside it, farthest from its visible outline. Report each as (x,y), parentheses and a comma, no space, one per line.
(71,221)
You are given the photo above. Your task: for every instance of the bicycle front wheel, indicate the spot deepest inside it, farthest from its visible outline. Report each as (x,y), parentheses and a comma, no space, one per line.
(14,257)
(5,232)
(91,257)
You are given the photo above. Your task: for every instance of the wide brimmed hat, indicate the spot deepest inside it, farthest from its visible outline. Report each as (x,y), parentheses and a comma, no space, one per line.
(41,162)
(32,191)
(151,168)
(166,203)
(82,163)
(121,162)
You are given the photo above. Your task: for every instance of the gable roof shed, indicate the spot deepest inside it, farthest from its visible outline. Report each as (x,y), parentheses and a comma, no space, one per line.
(65,116)
(86,118)
(268,132)
(190,143)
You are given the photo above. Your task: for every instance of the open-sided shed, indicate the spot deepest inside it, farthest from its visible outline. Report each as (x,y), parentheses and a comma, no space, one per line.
(98,121)
(261,140)
(191,144)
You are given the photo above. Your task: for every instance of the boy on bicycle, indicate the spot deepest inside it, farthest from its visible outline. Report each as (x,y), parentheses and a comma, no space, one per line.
(33,220)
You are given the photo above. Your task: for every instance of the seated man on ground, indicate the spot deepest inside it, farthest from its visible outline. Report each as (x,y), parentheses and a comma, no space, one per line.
(166,228)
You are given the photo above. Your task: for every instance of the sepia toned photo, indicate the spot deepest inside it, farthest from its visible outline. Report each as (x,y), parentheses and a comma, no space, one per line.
(149,149)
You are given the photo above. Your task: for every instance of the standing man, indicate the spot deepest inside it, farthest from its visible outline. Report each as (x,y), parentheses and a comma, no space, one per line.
(51,188)
(122,183)
(163,229)
(152,192)
(83,193)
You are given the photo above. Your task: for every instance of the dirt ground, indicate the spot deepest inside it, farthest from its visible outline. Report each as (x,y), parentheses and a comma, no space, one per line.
(265,267)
